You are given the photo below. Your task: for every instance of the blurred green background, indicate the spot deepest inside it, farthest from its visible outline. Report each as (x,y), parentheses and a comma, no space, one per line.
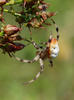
(55,83)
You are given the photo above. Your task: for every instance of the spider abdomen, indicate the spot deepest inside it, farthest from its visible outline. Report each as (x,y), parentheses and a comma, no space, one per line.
(54,48)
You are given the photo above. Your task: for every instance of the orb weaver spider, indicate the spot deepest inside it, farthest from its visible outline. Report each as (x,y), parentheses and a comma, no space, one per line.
(50,51)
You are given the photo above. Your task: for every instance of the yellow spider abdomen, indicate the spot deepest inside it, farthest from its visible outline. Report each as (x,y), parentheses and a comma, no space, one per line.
(53,48)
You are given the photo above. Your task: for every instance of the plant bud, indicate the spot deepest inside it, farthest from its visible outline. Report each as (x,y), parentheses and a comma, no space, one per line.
(11,29)
(18,46)
(42,7)
(2,2)
(51,14)
(13,47)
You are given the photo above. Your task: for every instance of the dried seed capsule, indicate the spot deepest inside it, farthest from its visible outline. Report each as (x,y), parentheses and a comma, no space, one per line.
(43,7)
(51,14)
(11,29)
(18,46)
(2,2)
(11,48)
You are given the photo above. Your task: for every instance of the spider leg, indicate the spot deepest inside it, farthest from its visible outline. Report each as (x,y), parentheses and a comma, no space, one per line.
(30,30)
(44,43)
(34,44)
(51,63)
(38,74)
(38,47)
(57,29)
(50,37)
(26,61)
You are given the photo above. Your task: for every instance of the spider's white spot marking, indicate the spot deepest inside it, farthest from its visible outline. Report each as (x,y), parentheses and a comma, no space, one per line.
(54,50)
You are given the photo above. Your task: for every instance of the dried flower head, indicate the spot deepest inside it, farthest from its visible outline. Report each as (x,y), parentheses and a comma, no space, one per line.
(34,14)
(11,29)
(11,48)
(2,2)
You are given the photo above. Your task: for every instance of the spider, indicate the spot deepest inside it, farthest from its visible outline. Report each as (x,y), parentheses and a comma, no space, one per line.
(50,51)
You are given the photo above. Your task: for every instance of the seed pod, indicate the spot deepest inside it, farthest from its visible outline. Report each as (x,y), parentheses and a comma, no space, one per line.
(51,14)
(2,2)
(12,47)
(17,46)
(11,29)
(43,7)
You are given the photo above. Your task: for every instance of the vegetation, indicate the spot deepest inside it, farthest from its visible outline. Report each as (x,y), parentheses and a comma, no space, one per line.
(55,83)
